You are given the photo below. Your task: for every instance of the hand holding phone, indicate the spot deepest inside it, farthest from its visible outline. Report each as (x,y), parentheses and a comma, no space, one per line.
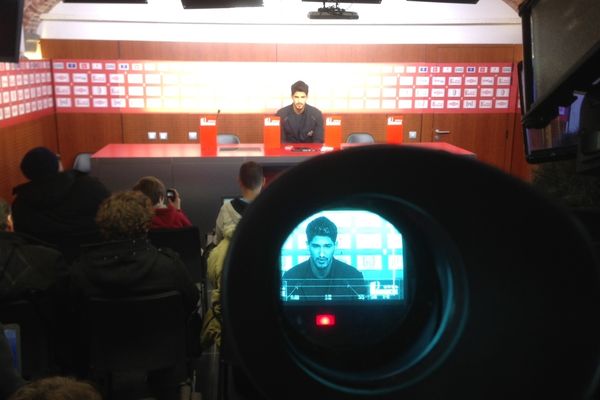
(171,194)
(174,198)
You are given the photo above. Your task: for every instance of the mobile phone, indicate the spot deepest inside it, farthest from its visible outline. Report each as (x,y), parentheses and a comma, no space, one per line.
(171,194)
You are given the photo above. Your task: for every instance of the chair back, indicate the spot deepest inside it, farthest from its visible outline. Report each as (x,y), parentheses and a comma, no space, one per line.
(360,137)
(83,162)
(227,138)
(143,333)
(34,337)
(186,242)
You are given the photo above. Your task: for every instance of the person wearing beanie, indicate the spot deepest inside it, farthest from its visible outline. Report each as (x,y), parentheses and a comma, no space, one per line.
(39,163)
(57,207)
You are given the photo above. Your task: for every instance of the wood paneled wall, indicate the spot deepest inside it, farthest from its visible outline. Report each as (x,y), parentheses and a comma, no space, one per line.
(248,127)
(15,141)
(74,133)
(86,133)
(197,51)
(81,49)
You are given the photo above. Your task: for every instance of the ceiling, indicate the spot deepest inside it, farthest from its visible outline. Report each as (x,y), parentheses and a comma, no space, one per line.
(274,11)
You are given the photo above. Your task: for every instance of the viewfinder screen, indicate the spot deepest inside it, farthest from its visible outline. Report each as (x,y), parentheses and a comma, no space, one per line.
(343,256)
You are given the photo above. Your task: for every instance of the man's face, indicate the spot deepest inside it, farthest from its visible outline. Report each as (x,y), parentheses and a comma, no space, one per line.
(299,99)
(321,251)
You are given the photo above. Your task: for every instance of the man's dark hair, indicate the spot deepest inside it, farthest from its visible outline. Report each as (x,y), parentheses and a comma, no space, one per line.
(125,215)
(299,86)
(321,226)
(251,175)
(57,388)
(152,187)
(4,213)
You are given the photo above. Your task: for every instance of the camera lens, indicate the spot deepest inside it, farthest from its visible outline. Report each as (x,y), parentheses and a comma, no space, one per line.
(446,283)
(391,324)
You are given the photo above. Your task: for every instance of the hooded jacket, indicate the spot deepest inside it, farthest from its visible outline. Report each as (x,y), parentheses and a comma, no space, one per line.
(227,221)
(131,268)
(229,216)
(31,271)
(27,268)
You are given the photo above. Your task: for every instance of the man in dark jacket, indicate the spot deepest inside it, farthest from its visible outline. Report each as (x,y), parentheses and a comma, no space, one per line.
(27,267)
(127,264)
(57,207)
(300,122)
(32,271)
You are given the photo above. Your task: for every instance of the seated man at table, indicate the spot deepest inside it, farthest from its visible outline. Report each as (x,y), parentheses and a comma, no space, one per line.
(322,277)
(300,122)
(167,209)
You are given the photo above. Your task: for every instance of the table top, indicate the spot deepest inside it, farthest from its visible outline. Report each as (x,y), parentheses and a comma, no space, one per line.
(185,150)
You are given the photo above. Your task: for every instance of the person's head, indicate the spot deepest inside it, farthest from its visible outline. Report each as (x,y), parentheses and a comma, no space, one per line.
(125,215)
(251,179)
(321,235)
(39,163)
(56,388)
(153,188)
(5,217)
(299,96)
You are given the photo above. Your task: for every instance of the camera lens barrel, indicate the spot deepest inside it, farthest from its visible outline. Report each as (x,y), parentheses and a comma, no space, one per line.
(500,286)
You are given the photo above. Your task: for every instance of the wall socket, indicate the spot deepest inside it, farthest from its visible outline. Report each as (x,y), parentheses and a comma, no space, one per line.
(192,135)
(151,135)
(163,135)
(412,134)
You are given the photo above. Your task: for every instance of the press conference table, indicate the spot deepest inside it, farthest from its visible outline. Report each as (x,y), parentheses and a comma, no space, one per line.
(202,180)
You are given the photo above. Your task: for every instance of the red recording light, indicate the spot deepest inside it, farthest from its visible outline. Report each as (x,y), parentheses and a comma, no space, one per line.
(325,320)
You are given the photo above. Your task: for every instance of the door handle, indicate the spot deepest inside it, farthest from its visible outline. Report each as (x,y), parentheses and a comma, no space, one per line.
(439,132)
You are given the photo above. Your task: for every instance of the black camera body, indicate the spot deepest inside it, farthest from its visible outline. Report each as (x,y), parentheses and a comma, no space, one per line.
(500,288)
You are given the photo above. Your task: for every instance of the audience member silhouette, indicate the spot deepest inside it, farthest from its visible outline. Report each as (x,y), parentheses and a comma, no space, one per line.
(127,264)
(57,388)
(167,210)
(57,207)
(30,270)
(10,380)
(251,180)
(27,266)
